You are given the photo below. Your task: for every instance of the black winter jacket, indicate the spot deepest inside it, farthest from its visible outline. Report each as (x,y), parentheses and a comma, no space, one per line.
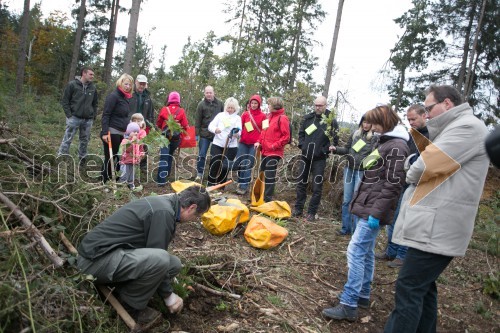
(382,183)
(147,107)
(116,112)
(355,158)
(413,147)
(315,146)
(79,100)
(205,113)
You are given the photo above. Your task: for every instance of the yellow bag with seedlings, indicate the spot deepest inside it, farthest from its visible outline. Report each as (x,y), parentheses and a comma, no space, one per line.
(263,233)
(181,185)
(225,216)
(274,209)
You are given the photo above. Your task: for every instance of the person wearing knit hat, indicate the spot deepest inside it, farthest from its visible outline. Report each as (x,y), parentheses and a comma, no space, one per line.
(172,108)
(131,154)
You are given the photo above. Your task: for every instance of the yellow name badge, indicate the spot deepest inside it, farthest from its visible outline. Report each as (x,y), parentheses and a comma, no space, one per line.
(311,129)
(226,122)
(265,123)
(248,126)
(371,159)
(358,145)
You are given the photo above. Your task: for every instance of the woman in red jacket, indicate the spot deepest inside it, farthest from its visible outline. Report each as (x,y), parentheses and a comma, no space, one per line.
(273,138)
(172,107)
(251,127)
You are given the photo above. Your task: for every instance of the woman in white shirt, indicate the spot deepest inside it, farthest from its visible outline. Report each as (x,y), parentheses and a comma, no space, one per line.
(227,128)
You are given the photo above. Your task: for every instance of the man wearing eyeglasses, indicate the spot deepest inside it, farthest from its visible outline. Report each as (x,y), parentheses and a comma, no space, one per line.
(314,145)
(439,207)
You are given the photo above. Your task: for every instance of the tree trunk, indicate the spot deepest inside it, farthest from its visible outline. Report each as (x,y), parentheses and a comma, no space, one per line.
(295,56)
(470,71)
(21,57)
(463,64)
(238,42)
(108,59)
(401,87)
(132,33)
(329,68)
(78,41)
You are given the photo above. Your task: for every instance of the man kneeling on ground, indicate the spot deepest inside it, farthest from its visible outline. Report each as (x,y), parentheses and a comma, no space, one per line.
(128,250)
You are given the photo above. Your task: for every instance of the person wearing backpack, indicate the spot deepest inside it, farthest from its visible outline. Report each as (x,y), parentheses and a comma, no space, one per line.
(251,127)
(172,107)
(273,138)
(314,145)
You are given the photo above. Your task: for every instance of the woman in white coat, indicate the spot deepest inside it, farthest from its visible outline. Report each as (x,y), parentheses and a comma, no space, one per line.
(227,128)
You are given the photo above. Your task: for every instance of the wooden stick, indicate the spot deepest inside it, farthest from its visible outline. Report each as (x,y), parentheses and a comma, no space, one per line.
(7,140)
(129,321)
(215,187)
(216,292)
(68,244)
(35,233)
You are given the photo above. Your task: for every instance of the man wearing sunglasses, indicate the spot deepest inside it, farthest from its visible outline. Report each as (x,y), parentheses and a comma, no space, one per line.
(439,207)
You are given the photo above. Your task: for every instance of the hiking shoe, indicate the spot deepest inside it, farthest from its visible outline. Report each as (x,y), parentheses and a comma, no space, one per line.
(296,213)
(197,179)
(145,319)
(341,233)
(396,263)
(363,303)
(383,256)
(310,218)
(131,187)
(341,312)
(241,191)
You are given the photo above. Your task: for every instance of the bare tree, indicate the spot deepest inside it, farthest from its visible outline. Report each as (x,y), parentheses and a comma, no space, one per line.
(329,68)
(132,33)
(108,59)
(78,40)
(21,59)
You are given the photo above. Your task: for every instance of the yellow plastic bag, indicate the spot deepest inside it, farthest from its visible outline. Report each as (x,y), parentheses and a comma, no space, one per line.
(245,214)
(181,185)
(257,195)
(275,209)
(263,233)
(225,216)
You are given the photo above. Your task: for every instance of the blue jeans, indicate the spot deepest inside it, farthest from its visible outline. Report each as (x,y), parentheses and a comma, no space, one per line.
(352,180)
(395,250)
(74,124)
(244,162)
(166,154)
(415,308)
(361,264)
(203,146)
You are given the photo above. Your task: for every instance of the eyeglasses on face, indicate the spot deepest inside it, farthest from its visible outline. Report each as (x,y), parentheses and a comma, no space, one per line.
(429,108)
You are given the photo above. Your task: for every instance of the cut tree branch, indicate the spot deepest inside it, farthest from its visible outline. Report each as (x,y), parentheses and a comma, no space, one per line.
(35,233)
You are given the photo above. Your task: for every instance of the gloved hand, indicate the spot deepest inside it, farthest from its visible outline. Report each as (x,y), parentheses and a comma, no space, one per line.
(174,303)
(235,130)
(197,138)
(373,222)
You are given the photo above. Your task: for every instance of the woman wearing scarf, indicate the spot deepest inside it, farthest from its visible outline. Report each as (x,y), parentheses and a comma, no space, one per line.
(115,119)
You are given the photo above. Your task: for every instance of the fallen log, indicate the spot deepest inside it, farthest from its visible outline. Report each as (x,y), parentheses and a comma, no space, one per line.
(33,231)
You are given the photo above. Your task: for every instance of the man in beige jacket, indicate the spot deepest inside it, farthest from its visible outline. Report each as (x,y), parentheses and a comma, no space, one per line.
(439,207)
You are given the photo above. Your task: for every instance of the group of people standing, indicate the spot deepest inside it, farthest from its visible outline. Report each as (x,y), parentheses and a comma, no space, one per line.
(428,192)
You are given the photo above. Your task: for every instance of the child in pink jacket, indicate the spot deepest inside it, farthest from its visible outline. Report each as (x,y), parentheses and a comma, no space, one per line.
(131,154)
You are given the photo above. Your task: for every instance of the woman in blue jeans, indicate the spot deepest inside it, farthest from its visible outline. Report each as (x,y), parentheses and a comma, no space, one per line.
(373,204)
(358,146)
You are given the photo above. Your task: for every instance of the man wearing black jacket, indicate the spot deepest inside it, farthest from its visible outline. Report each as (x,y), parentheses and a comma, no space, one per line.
(314,145)
(79,103)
